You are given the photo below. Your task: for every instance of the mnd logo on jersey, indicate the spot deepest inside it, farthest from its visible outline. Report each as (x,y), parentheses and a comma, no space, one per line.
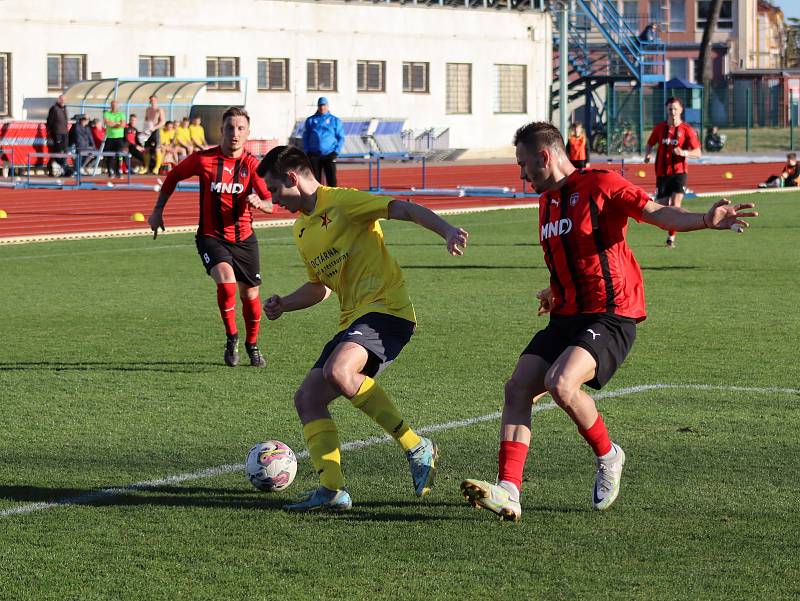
(556,228)
(229,188)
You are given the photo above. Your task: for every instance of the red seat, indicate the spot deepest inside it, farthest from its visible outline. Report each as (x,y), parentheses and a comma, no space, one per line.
(25,137)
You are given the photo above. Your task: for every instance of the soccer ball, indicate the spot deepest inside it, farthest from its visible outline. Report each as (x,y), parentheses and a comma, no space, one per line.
(270,466)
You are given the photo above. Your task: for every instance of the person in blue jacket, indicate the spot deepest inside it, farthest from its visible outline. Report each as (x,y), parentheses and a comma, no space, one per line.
(323,139)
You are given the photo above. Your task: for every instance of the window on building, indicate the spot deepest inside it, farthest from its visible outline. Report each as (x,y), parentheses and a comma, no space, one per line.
(509,89)
(630,14)
(459,88)
(678,67)
(677,15)
(273,74)
(654,11)
(370,76)
(725,22)
(415,77)
(156,66)
(5,84)
(63,70)
(321,75)
(223,66)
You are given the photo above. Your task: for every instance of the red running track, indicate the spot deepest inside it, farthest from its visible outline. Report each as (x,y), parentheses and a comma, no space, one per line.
(42,212)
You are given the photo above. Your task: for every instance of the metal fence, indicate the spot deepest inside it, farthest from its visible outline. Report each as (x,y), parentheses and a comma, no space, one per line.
(751,115)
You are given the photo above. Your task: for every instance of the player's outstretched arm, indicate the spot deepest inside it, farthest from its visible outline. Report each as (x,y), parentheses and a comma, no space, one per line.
(455,237)
(184,170)
(721,216)
(156,218)
(305,296)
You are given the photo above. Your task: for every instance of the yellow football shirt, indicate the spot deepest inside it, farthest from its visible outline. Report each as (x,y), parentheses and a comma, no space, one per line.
(198,134)
(183,136)
(167,136)
(341,245)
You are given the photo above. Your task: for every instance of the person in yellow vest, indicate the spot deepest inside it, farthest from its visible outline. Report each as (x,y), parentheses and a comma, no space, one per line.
(183,140)
(198,134)
(578,147)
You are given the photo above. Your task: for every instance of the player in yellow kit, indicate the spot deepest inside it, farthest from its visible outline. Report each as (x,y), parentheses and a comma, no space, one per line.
(341,244)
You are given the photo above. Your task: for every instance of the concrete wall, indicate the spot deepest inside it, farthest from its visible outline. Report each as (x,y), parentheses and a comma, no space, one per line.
(113,34)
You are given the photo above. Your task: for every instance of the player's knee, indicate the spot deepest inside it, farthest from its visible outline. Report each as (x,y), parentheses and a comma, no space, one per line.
(340,377)
(517,395)
(303,402)
(560,387)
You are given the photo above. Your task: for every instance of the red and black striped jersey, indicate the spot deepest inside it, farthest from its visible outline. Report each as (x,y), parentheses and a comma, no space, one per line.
(668,137)
(225,184)
(582,229)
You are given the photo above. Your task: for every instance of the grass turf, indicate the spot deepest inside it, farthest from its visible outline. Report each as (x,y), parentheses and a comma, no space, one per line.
(111,374)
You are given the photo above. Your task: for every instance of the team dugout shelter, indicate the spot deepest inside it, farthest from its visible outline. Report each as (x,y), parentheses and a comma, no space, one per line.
(176,95)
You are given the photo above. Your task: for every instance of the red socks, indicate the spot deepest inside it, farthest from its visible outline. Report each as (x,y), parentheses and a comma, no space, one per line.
(251,309)
(672,233)
(597,437)
(226,299)
(511,462)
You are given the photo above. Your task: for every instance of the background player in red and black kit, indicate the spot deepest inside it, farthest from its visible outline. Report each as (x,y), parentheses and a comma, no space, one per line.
(676,141)
(595,299)
(225,238)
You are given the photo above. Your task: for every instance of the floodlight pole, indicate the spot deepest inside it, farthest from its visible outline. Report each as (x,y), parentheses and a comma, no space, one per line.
(563,68)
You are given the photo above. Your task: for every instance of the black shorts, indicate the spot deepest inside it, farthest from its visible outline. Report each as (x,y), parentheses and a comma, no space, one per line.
(242,256)
(381,334)
(667,185)
(608,338)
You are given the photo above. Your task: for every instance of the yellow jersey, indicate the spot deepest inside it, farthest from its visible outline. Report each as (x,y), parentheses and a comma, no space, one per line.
(166,136)
(183,136)
(198,134)
(341,245)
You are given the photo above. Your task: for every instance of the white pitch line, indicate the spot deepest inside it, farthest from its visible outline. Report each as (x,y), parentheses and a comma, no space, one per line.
(220,470)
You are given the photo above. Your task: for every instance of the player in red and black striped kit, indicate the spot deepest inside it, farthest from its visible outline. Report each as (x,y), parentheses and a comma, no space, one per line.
(225,239)
(676,141)
(595,299)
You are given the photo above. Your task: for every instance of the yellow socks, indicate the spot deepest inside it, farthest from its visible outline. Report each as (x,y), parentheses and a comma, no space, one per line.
(159,159)
(322,441)
(373,400)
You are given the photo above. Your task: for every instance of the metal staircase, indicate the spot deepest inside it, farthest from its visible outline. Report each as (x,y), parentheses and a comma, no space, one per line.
(603,49)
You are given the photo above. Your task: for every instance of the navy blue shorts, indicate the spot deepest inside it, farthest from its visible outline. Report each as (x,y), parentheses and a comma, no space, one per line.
(608,338)
(381,334)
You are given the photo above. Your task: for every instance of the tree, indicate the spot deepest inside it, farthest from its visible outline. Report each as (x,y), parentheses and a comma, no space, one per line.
(792,42)
(703,74)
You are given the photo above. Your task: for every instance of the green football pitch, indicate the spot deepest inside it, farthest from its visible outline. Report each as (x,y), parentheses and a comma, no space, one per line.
(121,431)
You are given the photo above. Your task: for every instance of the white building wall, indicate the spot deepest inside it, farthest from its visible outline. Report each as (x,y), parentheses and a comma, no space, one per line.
(113,34)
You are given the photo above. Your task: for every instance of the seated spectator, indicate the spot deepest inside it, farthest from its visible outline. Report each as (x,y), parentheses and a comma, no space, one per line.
(80,139)
(788,177)
(183,140)
(98,138)
(649,33)
(167,146)
(198,134)
(135,149)
(714,140)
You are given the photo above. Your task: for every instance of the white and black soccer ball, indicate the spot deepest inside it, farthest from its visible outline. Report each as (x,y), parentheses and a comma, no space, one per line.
(271,466)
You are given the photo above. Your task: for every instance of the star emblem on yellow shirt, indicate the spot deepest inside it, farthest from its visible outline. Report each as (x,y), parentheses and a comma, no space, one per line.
(325,220)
